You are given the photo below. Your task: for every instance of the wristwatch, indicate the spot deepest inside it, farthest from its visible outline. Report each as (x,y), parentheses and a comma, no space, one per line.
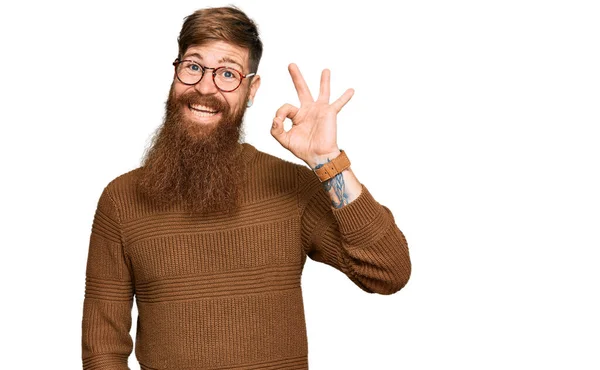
(332,168)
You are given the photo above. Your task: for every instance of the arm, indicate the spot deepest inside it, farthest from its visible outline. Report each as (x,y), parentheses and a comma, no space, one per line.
(106,343)
(343,188)
(360,239)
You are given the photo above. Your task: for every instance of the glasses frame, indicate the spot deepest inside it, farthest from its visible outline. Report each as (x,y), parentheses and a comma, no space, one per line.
(214,74)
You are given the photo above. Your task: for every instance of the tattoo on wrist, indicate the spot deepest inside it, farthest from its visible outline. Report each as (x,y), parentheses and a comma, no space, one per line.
(335,186)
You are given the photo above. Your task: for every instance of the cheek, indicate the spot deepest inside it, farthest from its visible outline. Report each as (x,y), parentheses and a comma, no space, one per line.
(233,102)
(178,89)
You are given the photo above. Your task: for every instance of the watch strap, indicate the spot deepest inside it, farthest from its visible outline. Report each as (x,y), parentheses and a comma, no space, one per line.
(332,168)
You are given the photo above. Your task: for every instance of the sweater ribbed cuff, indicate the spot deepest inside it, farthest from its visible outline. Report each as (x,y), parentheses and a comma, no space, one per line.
(359,213)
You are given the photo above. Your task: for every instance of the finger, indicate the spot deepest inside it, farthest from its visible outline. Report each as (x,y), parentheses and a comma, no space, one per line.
(325,81)
(300,85)
(277,130)
(345,98)
(286,111)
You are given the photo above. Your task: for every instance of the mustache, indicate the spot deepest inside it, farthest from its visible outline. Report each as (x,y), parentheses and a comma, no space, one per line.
(210,101)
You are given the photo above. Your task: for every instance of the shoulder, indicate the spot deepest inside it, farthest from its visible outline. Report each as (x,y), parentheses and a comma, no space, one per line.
(276,172)
(267,159)
(122,190)
(263,159)
(269,165)
(288,175)
(124,183)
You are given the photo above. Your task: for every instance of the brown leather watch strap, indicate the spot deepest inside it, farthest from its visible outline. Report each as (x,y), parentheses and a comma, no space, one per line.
(333,167)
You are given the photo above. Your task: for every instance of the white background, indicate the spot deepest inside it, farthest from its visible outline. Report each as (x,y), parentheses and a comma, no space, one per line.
(475,122)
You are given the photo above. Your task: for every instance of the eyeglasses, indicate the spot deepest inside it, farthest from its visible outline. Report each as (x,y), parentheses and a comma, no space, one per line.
(225,79)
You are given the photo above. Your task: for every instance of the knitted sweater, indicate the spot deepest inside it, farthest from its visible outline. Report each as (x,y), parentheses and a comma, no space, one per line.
(216,291)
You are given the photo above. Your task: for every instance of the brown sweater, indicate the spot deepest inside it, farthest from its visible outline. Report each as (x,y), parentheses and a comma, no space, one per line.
(223,292)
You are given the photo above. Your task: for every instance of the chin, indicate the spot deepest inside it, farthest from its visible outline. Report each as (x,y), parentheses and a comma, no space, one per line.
(199,130)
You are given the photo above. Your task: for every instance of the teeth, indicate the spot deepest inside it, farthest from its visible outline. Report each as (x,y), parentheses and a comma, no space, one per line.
(203,108)
(203,114)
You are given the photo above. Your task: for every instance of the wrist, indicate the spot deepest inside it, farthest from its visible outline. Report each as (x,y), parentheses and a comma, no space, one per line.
(319,160)
(333,167)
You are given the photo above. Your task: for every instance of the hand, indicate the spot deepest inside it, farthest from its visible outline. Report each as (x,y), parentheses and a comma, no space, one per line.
(313,136)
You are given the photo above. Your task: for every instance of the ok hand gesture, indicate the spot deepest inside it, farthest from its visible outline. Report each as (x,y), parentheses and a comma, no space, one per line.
(313,136)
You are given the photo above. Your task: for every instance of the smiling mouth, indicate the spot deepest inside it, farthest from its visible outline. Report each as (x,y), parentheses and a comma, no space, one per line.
(202,110)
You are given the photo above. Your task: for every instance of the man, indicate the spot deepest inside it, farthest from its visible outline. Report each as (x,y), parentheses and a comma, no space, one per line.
(211,235)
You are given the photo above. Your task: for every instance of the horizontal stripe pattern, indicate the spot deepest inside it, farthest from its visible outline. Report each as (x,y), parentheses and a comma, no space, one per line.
(274,243)
(236,331)
(229,283)
(105,227)
(295,363)
(292,363)
(111,290)
(280,207)
(103,361)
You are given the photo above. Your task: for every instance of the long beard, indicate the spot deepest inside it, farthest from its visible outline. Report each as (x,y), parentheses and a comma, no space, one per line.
(194,165)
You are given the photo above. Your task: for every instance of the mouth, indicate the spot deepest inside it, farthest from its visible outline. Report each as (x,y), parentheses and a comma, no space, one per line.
(202,110)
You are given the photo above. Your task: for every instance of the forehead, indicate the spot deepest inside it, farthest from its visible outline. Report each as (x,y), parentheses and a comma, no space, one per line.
(219,52)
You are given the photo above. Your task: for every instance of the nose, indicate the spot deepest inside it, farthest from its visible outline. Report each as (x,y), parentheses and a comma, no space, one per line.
(206,85)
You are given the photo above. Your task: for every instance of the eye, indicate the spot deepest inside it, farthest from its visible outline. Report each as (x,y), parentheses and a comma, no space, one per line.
(194,67)
(228,74)
(191,67)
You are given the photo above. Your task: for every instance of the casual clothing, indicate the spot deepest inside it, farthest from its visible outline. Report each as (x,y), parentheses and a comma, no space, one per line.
(217,291)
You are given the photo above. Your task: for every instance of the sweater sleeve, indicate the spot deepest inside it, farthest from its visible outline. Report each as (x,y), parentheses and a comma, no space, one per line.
(106,342)
(360,239)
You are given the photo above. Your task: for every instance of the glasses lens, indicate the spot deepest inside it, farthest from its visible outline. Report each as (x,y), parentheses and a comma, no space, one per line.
(189,72)
(227,78)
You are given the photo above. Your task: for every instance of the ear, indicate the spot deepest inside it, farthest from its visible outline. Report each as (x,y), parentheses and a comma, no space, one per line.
(254,87)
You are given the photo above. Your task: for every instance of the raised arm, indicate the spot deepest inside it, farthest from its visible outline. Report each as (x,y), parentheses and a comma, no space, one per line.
(360,239)
(358,236)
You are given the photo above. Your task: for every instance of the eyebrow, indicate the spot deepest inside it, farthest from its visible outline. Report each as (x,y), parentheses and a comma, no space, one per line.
(222,60)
